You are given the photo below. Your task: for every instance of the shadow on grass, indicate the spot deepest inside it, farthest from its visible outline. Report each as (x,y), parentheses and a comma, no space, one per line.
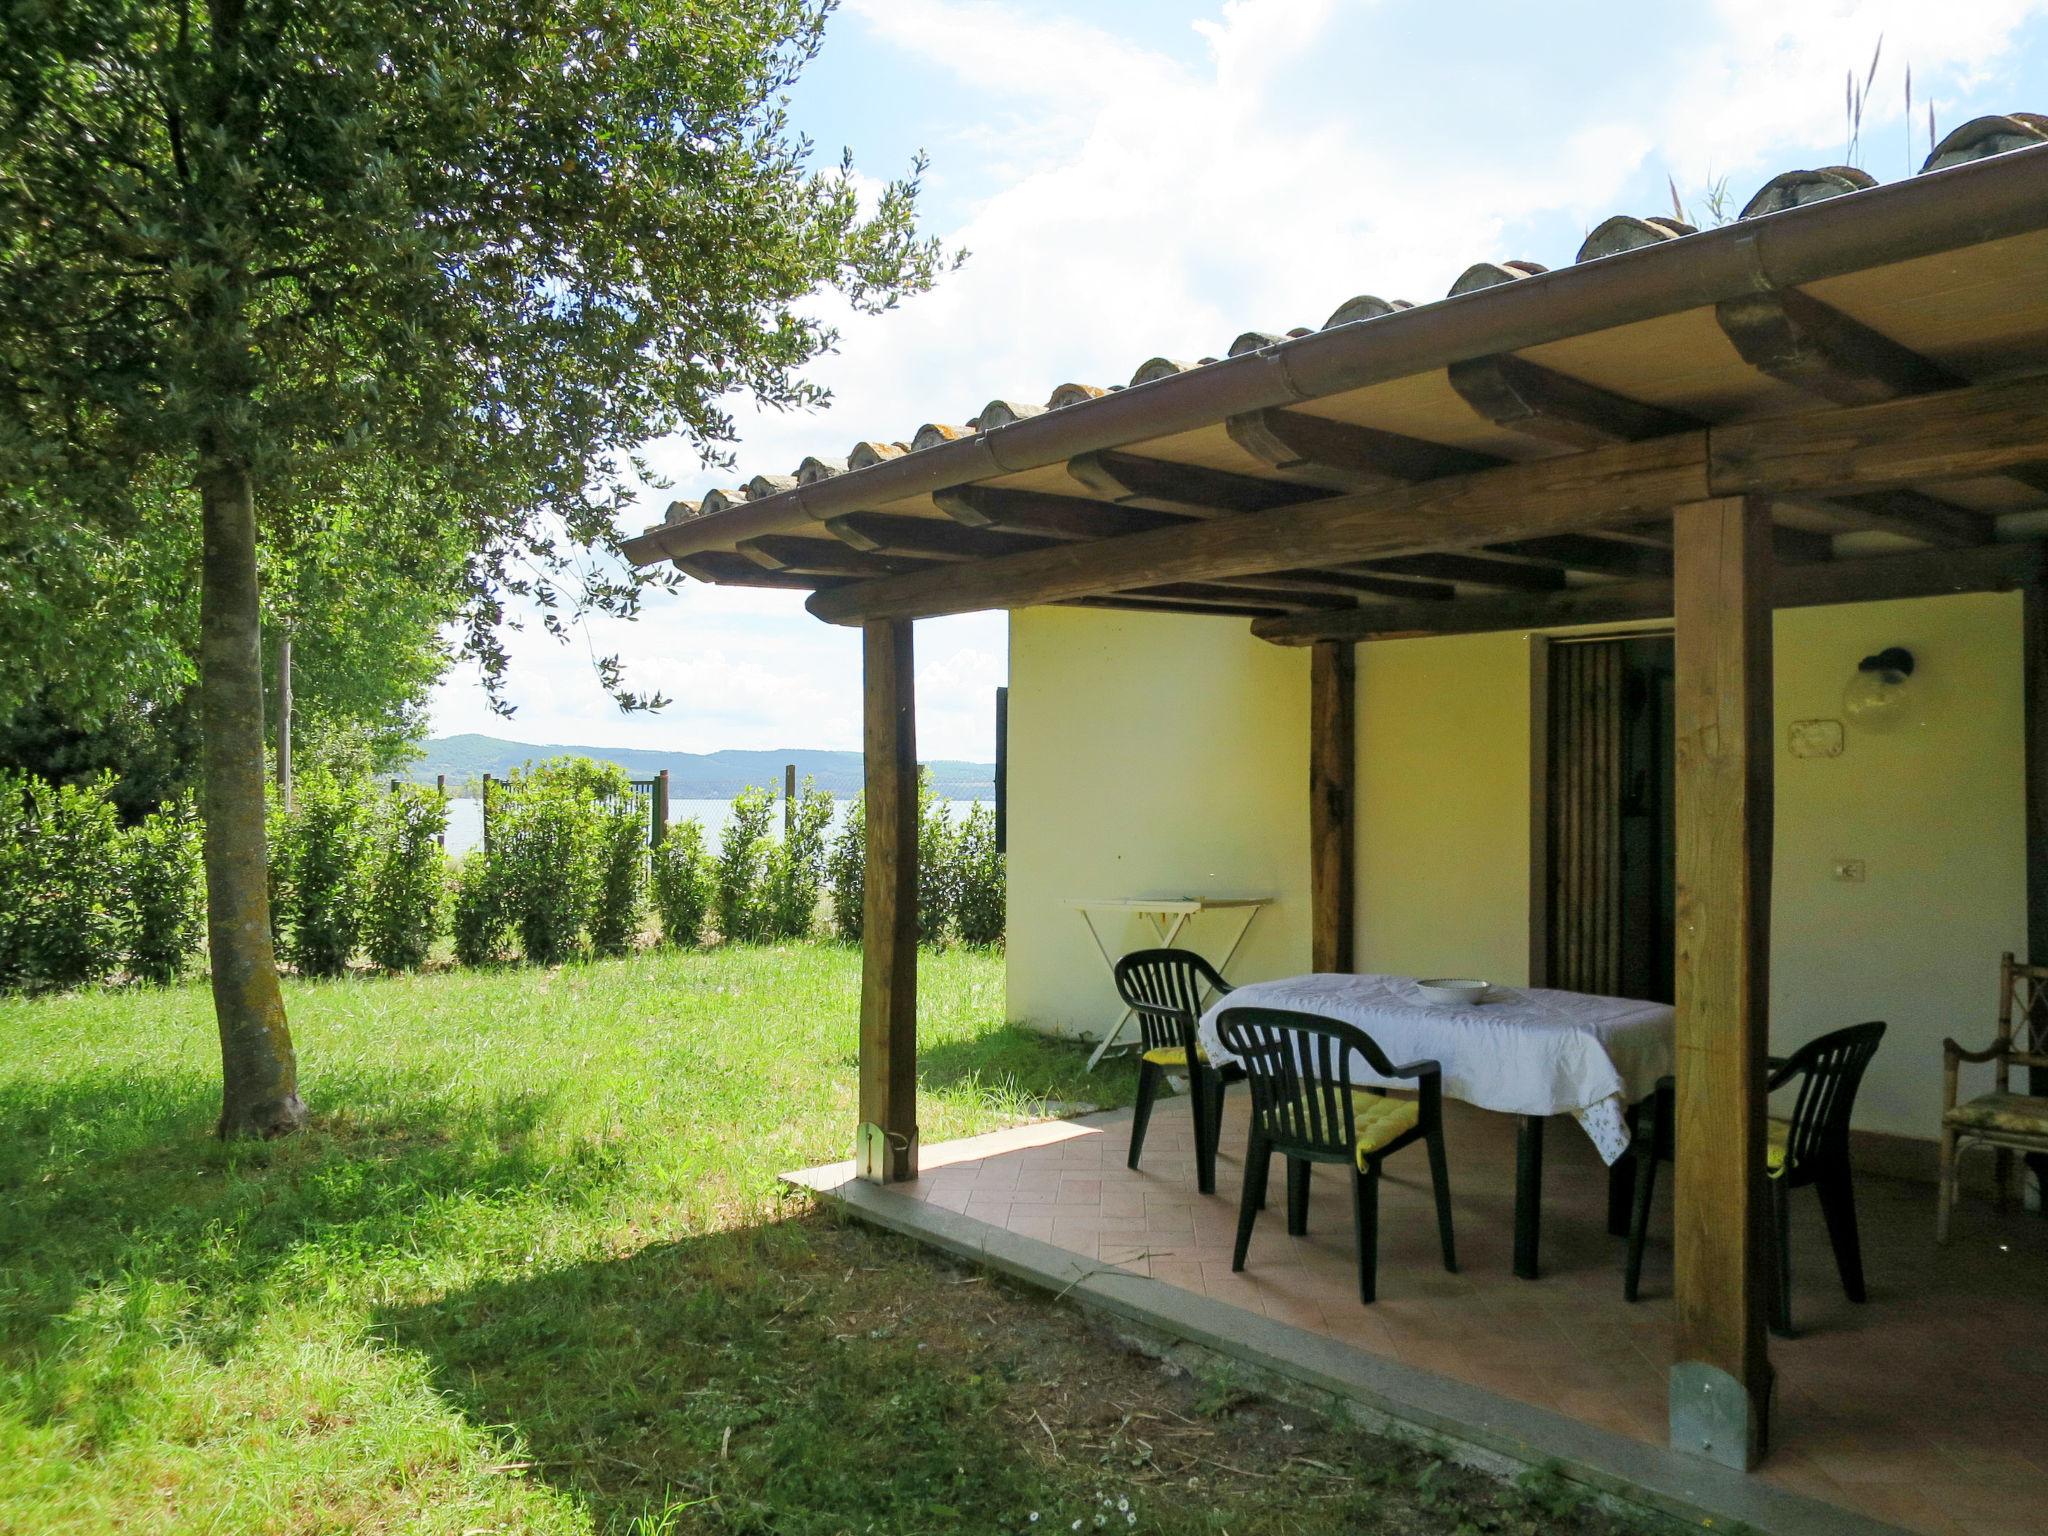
(1032,1066)
(759,1379)
(118,1181)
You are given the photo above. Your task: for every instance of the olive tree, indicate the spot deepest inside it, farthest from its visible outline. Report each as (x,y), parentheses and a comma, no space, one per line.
(255,253)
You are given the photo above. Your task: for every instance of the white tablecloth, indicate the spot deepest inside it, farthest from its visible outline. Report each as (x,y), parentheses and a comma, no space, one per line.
(1523,1051)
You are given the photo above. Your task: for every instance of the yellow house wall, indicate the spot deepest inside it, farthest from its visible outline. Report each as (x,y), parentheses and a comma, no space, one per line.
(1156,754)
(1150,755)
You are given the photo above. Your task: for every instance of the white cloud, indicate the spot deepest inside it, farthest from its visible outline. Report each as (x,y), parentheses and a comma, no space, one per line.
(1139,199)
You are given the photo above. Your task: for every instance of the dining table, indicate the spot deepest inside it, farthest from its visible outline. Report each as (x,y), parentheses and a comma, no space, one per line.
(1530,1052)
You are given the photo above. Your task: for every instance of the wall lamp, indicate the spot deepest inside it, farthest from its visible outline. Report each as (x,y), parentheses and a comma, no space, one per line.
(1877,696)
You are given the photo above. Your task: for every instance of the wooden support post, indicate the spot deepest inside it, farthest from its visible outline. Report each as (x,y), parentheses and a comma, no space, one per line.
(284,719)
(484,812)
(1332,789)
(441,789)
(788,800)
(886,1148)
(2034,672)
(660,829)
(1721,1381)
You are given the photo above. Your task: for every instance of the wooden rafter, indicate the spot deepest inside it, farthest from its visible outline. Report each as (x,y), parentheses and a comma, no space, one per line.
(1048,516)
(1542,403)
(1341,456)
(819,557)
(1957,434)
(1798,340)
(1170,487)
(925,538)
(729,570)
(1877,578)
(1539,402)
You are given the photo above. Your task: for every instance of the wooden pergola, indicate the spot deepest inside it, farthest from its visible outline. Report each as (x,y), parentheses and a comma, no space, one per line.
(1841,396)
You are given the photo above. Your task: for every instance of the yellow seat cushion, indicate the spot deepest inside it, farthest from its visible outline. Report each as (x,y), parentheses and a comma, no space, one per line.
(2014,1113)
(1777,1136)
(1174,1056)
(1377,1121)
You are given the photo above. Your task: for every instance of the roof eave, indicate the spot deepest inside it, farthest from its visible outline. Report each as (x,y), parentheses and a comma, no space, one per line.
(1964,205)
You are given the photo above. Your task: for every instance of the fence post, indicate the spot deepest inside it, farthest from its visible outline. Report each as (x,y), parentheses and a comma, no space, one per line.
(485,814)
(284,720)
(788,801)
(660,830)
(441,789)
(1002,770)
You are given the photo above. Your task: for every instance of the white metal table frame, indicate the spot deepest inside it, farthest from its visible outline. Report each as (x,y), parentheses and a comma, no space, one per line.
(1168,915)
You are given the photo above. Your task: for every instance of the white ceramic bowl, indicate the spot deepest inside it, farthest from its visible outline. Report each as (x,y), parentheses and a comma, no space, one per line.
(1452,991)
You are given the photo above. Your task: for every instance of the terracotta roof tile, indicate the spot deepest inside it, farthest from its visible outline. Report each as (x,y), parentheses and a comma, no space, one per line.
(1160,368)
(1000,413)
(933,433)
(1490,274)
(864,454)
(1987,136)
(1072,394)
(1622,233)
(1977,139)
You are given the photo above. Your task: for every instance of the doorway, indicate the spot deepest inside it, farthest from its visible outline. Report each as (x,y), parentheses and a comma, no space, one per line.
(1603,876)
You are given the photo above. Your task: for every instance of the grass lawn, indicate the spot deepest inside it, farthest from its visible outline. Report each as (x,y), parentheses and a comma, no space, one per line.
(531,1271)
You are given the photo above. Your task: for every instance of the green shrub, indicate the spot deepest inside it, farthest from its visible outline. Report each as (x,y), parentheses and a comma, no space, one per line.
(164,868)
(846,871)
(62,883)
(742,878)
(407,901)
(938,875)
(547,833)
(322,869)
(796,867)
(14,879)
(621,899)
(683,879)
(481,913)
(978,878)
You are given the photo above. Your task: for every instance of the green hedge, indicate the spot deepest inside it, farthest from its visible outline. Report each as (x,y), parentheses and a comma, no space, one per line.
(83,899)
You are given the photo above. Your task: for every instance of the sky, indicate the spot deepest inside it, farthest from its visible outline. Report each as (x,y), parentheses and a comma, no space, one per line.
(1133,178)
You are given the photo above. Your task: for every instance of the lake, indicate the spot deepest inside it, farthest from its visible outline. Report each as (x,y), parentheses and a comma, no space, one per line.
(465,819)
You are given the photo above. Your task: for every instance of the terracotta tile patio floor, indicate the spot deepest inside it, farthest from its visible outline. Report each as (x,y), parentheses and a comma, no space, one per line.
(1927,1407)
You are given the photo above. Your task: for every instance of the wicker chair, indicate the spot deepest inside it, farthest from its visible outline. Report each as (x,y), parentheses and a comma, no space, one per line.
(1165,989)
(1305,1107)
(1811,1147)
(2003,1120)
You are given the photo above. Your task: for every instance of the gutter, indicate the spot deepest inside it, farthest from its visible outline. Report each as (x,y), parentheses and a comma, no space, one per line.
(1936,211)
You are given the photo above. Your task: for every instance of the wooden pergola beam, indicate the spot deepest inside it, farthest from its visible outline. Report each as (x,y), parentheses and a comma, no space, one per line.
(1984,429)
(1720,1383)
(885,1147)
(1798,340)
(1876,578)
(1332,796)
(1339,455)
(1167,486)
(1539,402)
(1517,500)
(819,557)
(1801,341)
(1048,516)
(925,538)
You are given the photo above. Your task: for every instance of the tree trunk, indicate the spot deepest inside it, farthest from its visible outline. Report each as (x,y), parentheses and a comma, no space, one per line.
(260,1075)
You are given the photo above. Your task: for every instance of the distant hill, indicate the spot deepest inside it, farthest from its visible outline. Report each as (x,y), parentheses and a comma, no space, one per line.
(692,775)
